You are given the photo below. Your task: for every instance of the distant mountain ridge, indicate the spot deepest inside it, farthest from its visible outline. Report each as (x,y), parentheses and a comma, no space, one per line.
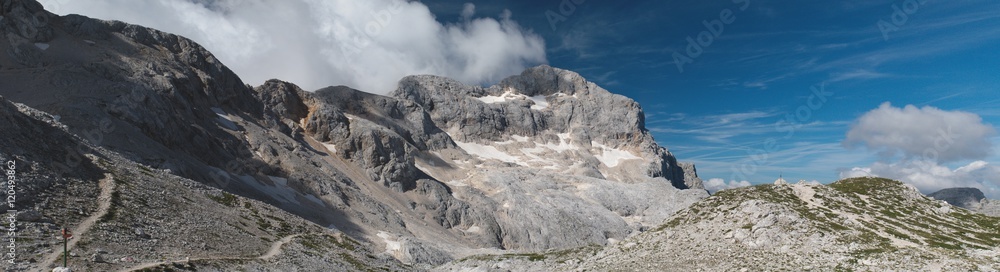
(961,197)
(968,198)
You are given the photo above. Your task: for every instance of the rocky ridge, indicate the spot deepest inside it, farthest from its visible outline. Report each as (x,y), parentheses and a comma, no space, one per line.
(859,224)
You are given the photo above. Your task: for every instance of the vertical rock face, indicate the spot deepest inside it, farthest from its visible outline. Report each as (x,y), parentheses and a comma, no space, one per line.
(543,103)
(437,169)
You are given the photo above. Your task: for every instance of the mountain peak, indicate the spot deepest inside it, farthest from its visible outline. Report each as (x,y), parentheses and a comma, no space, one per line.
(961,197)
(434,171)
(557,107)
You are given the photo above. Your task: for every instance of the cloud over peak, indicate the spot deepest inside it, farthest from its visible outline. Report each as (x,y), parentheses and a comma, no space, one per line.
(920,143)
(926,133)
(929,176)
(368,45)
(717,184)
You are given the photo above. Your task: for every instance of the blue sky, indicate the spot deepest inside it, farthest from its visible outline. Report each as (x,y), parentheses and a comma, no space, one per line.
(776,91)
(725,105)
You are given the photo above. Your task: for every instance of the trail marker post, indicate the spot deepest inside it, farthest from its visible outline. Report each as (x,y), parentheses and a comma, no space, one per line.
(66,234)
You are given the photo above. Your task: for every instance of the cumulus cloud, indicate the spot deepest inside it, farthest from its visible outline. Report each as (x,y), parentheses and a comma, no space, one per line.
(717,184)
(368,44)
(856,172)
(916,143)
(928,176)
(926,133)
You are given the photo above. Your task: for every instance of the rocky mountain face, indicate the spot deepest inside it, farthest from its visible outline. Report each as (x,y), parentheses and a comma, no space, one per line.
(968,198)
(961,197)
(125,215)
(152,126)
(859,224)
(552,110)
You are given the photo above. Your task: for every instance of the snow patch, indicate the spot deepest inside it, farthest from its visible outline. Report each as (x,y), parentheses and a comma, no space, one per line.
(42,46)
(283,182)
(331,147)
(474,229)
(612,156)
(280,192)
(315,199)
(488,152)
(540,102)
(506,96)
(224,119)
(519,138)
(456,183)
(507,142)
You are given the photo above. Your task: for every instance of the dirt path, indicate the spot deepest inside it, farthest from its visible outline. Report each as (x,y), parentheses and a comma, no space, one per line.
(107,186)
(276,247)
(273,251)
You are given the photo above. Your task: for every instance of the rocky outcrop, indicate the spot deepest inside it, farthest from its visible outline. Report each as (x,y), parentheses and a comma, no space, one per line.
(379,133)
(989,207)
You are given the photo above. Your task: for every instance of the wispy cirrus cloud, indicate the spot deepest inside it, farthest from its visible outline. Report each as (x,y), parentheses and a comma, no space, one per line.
(858,74)
(724,128)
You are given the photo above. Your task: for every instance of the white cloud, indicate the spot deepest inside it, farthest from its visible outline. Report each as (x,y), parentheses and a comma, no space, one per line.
(856,172)
(926,133)
(928,176)
(923,139)
(717,184)
(368,44)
